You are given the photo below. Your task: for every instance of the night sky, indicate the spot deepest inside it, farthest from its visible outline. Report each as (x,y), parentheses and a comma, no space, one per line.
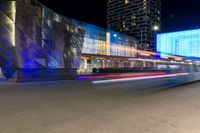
(176,14)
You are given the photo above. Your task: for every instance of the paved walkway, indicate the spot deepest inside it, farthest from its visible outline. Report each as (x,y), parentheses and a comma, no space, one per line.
(78,107)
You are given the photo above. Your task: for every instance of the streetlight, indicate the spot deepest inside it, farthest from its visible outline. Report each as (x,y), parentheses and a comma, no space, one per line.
(155,28)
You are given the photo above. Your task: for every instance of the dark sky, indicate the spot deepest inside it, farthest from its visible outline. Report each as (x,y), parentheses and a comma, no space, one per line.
(176,14)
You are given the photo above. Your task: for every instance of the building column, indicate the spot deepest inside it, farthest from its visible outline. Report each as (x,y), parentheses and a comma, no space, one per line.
(103,63)
(144,64)
(154,65)
(85,63)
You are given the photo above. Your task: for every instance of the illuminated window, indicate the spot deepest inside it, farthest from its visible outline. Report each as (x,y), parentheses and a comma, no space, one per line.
(126,1)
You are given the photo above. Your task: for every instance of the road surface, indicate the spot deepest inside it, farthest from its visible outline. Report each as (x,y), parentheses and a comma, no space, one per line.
(81,107)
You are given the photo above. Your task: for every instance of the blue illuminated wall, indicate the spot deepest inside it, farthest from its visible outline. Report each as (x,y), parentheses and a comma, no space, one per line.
(183,43)
(36,42)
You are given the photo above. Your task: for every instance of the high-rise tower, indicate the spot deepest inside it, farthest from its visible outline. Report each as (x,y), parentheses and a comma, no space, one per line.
(138,18)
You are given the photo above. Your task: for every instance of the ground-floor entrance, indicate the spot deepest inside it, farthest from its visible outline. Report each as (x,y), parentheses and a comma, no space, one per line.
(90,62)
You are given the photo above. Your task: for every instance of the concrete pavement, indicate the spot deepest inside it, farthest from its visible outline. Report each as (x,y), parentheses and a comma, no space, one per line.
(77,107)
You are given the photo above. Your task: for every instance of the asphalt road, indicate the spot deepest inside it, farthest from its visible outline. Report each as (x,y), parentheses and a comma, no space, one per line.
(80,107)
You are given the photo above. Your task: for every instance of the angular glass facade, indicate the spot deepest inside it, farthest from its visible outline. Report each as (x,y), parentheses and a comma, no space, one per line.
(183,43)
(36,42)
(99,41)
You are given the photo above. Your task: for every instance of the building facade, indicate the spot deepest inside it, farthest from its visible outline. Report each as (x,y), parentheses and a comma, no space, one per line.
(137,18)
(182,43)
(37,43)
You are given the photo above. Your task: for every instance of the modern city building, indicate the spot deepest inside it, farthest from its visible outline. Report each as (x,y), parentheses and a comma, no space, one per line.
(137,18)
(36,43)
(182,43)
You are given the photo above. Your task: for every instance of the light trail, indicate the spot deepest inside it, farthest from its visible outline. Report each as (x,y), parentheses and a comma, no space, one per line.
(138,78)
(120,75)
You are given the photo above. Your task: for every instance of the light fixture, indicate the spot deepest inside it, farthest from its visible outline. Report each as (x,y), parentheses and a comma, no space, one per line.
(156,28)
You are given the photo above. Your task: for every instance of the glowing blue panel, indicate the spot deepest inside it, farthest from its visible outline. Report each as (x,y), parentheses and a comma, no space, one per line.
(183,43)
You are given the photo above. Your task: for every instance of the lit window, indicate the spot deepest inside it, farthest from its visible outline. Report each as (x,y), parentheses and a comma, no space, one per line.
(133,17)
(126,1)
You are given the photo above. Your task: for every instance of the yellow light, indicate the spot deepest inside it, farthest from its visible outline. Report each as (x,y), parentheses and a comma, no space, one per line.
(13,11)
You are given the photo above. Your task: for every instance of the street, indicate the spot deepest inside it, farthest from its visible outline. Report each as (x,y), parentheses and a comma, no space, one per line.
(78,107)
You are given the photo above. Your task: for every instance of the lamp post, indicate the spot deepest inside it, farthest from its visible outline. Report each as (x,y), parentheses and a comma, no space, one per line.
(155,28)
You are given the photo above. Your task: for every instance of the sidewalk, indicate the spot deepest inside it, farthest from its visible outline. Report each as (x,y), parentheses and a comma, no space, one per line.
(4,82)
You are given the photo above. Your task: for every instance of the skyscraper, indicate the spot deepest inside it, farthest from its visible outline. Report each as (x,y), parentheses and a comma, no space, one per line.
(138,18)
